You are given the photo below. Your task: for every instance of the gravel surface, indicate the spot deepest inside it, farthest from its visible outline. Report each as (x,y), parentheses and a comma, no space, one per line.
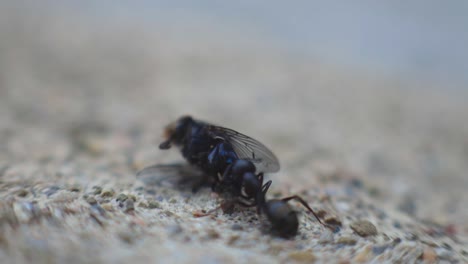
(82,112)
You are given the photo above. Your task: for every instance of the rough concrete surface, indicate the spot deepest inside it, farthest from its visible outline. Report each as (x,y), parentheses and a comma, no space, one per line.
(82,110)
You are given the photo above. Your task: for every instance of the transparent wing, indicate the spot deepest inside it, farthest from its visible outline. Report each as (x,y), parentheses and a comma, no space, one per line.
(248,148)
(170,174)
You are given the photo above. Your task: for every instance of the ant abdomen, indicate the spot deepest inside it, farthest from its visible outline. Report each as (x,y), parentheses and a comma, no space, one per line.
(282,217)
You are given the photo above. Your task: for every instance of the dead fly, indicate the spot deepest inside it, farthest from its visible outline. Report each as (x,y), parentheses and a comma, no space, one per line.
(213,148)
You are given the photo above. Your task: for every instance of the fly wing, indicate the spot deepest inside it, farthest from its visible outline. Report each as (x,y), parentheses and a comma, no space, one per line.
(171,174)
(248,148)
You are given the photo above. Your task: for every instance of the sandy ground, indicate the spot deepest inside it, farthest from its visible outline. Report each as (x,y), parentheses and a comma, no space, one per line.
(82,110)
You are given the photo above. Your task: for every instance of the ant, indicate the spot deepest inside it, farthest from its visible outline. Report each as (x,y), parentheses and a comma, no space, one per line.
(242,186)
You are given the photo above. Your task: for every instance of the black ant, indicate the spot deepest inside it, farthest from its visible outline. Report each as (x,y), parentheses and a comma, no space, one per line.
(242,186)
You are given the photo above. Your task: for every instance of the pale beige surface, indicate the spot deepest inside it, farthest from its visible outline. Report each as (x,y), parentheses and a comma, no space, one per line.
(86,108)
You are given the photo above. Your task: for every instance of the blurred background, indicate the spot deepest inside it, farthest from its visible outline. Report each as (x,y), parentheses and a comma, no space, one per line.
(374,88)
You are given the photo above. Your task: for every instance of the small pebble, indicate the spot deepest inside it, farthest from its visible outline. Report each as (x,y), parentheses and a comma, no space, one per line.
(108,193)
(377,250)
(129,206)
(212,234)
(346,241)
(429,255)
(64,197)
(333,221)
(91,200)
(411,236)
(168,213)
(154,205)
(321,213)
(237,227)
(233,240)
(97,190)
(121,197)
(364,228)
(22,193)
(396,241)
(74,189)
(108,207)
(51,190)
(302,257)
(142,205)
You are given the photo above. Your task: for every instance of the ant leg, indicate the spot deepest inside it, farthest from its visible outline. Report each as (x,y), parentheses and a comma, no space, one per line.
(202,214)
(266,187)
(260,198)
(304,203)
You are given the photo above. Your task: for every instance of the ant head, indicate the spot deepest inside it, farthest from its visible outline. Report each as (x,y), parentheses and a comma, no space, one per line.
(283,219)
(175,131)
